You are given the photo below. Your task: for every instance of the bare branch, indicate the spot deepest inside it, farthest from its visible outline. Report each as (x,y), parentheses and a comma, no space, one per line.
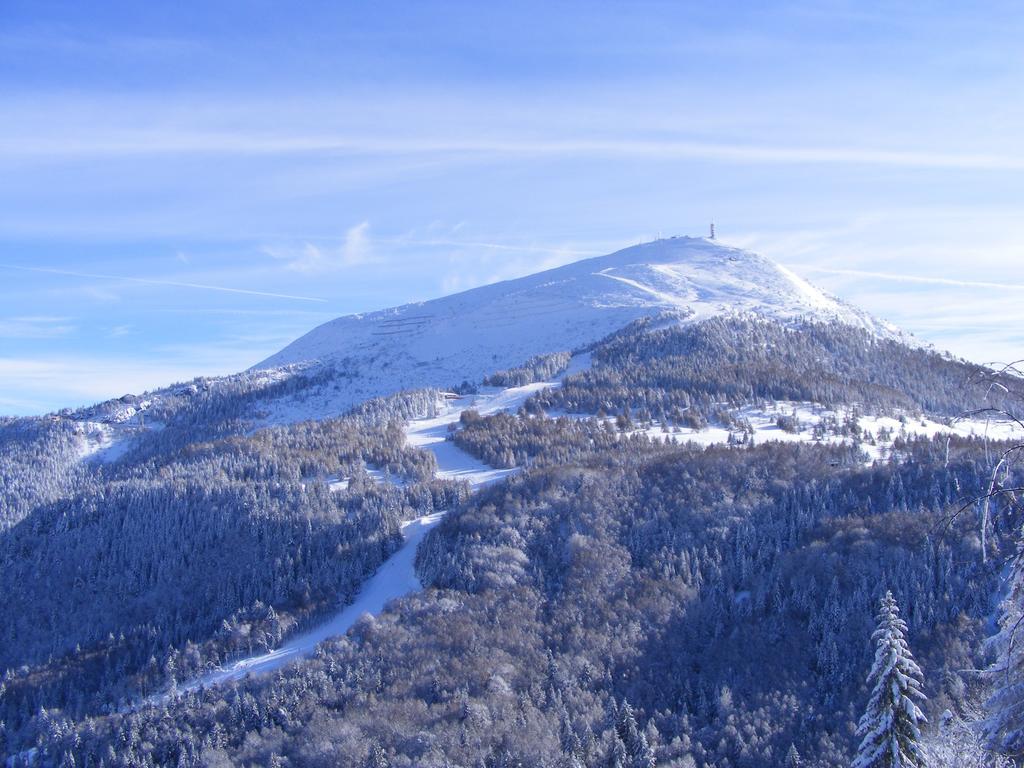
(1006,415)
(949,520)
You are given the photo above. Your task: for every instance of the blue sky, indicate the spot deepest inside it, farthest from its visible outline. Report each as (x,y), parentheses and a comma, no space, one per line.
(185,187)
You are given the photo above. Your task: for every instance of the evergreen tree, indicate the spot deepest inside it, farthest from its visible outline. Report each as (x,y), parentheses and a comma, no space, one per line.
(639,751)
(1005,724)
(617,756)
(890,729)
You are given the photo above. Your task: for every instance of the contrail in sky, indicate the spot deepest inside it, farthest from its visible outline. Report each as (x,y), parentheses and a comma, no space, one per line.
(916,278)
(172,283)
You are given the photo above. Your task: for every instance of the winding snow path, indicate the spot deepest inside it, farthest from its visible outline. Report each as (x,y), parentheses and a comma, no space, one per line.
(396,577)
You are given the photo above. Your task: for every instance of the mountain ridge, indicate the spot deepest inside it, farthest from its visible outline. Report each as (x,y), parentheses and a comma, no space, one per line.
(468,335)
(683,273)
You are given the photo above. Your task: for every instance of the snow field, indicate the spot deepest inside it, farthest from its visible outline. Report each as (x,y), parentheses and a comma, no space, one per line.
(763,421)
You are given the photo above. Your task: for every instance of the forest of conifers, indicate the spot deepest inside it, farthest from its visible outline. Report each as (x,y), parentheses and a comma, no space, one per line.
(622,598)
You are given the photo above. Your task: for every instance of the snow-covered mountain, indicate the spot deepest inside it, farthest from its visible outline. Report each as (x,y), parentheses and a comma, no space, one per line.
(176,510)
(471,334)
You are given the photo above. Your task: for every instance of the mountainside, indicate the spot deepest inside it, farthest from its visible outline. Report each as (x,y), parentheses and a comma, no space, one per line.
(469,335)
(665,471)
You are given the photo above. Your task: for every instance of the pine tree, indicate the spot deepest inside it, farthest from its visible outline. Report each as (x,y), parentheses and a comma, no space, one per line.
(1005,724)
(617,756)
(793,757)
(890,729)
(639,751)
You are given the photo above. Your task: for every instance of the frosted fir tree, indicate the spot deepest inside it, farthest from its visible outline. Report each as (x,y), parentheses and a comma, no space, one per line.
(637,748)
(890,728)
(1005,724)
(617,755)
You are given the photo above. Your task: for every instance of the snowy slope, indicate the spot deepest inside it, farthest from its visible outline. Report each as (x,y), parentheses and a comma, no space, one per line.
(469,335)
(395,578)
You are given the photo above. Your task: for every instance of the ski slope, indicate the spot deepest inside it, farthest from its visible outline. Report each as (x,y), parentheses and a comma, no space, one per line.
(396,577)
(469,335)
(454,463)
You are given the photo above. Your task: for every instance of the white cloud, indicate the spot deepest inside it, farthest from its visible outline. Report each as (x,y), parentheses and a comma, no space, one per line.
(34,385)
(977,320)
(356,249)
(80,381)
(471,269)
(186,142)
(922,279)
(309,259)
(35,327)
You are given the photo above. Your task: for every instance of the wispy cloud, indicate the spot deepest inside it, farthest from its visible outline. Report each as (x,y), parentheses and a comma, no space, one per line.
(35,327)
(915,278)
(169,283)
(561,251)
(471,271)
(188,142)
(77,381)
(355,249)
(37,384)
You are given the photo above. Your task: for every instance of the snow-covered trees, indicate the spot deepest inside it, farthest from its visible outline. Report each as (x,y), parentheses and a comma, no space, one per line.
(664,574)
(1005,725)
(189,557)
(890,728)
(638,753)
(538,368)
(959,743)
(697,370)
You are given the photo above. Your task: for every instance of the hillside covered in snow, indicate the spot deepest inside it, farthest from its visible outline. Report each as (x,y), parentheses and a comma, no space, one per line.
(468,531)
(467,336)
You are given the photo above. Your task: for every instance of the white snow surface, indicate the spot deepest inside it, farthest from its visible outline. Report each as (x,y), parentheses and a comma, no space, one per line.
(469,335)
(454,463)
(394,579)
(877,431)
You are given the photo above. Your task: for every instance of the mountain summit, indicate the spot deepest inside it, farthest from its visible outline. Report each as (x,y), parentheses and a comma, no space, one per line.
(471,334)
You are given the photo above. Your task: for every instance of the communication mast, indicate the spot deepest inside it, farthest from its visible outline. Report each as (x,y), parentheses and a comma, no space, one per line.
(712,235)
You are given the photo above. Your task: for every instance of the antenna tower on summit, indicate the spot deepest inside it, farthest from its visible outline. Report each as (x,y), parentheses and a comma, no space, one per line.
(712,235)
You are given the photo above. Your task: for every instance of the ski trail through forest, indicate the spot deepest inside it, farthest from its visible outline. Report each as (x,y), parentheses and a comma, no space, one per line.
(396,577)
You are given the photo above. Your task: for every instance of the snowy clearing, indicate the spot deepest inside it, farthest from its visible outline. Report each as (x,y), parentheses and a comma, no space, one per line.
(455,464)
(876,432)
(395,578)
